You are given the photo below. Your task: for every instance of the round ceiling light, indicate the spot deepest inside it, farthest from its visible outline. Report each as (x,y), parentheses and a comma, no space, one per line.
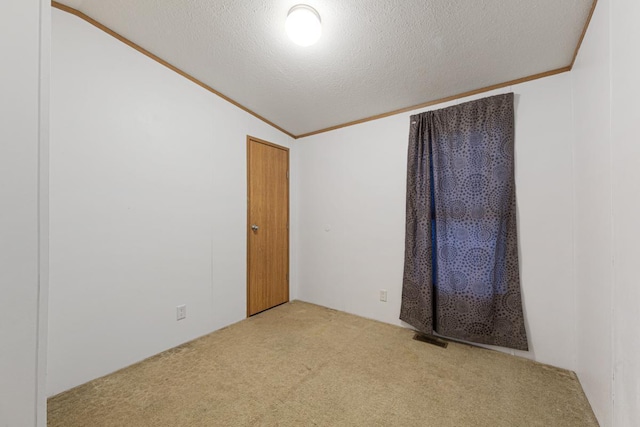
(303,25)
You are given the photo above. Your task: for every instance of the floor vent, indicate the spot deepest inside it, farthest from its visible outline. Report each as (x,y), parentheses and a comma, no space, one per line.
(430,339)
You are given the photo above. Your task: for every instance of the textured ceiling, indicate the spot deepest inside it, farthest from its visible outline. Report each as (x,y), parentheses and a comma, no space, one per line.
(374,56)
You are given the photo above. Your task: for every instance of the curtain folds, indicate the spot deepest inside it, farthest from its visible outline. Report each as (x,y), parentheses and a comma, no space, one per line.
(461,274)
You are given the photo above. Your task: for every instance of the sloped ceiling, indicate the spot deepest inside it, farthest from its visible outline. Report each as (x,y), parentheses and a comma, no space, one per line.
(374,56)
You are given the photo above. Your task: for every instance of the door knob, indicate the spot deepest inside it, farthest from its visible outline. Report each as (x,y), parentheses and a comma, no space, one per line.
(255,227)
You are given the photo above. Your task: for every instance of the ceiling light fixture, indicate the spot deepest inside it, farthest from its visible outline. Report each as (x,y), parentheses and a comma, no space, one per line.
(303,25)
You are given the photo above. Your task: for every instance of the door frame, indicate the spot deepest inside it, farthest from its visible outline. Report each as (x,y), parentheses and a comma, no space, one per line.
(248,225)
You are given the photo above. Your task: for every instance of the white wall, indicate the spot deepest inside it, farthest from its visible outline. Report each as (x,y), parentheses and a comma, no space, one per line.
(148,206)
(352,216)
(607,161)
(625,114)
(591,80)
(24,48)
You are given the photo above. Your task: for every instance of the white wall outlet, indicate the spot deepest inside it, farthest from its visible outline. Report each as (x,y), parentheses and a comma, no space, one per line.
(181,312)
(383,295)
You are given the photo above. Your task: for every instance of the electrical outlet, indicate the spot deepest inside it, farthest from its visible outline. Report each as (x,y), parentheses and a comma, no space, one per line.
(383,295)
(181,312)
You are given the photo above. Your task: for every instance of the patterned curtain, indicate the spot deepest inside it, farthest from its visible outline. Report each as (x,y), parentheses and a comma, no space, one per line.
(461,276)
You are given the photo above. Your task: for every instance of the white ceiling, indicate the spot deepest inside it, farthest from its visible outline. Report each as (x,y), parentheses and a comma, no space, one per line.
(374,56)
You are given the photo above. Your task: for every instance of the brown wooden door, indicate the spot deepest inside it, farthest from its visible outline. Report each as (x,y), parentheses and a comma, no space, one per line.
(267,225)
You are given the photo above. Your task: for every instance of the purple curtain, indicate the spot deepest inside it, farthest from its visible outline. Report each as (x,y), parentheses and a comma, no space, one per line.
(461,276)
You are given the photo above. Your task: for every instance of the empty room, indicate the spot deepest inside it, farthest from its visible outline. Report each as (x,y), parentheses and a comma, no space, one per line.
(358,213)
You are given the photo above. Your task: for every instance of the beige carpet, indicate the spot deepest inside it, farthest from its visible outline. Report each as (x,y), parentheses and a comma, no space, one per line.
(304,365)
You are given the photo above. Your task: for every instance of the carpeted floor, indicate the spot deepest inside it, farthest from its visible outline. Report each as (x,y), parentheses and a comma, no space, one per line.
(301,365)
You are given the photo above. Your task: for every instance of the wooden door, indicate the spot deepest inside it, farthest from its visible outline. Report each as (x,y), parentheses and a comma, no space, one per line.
(267,225)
